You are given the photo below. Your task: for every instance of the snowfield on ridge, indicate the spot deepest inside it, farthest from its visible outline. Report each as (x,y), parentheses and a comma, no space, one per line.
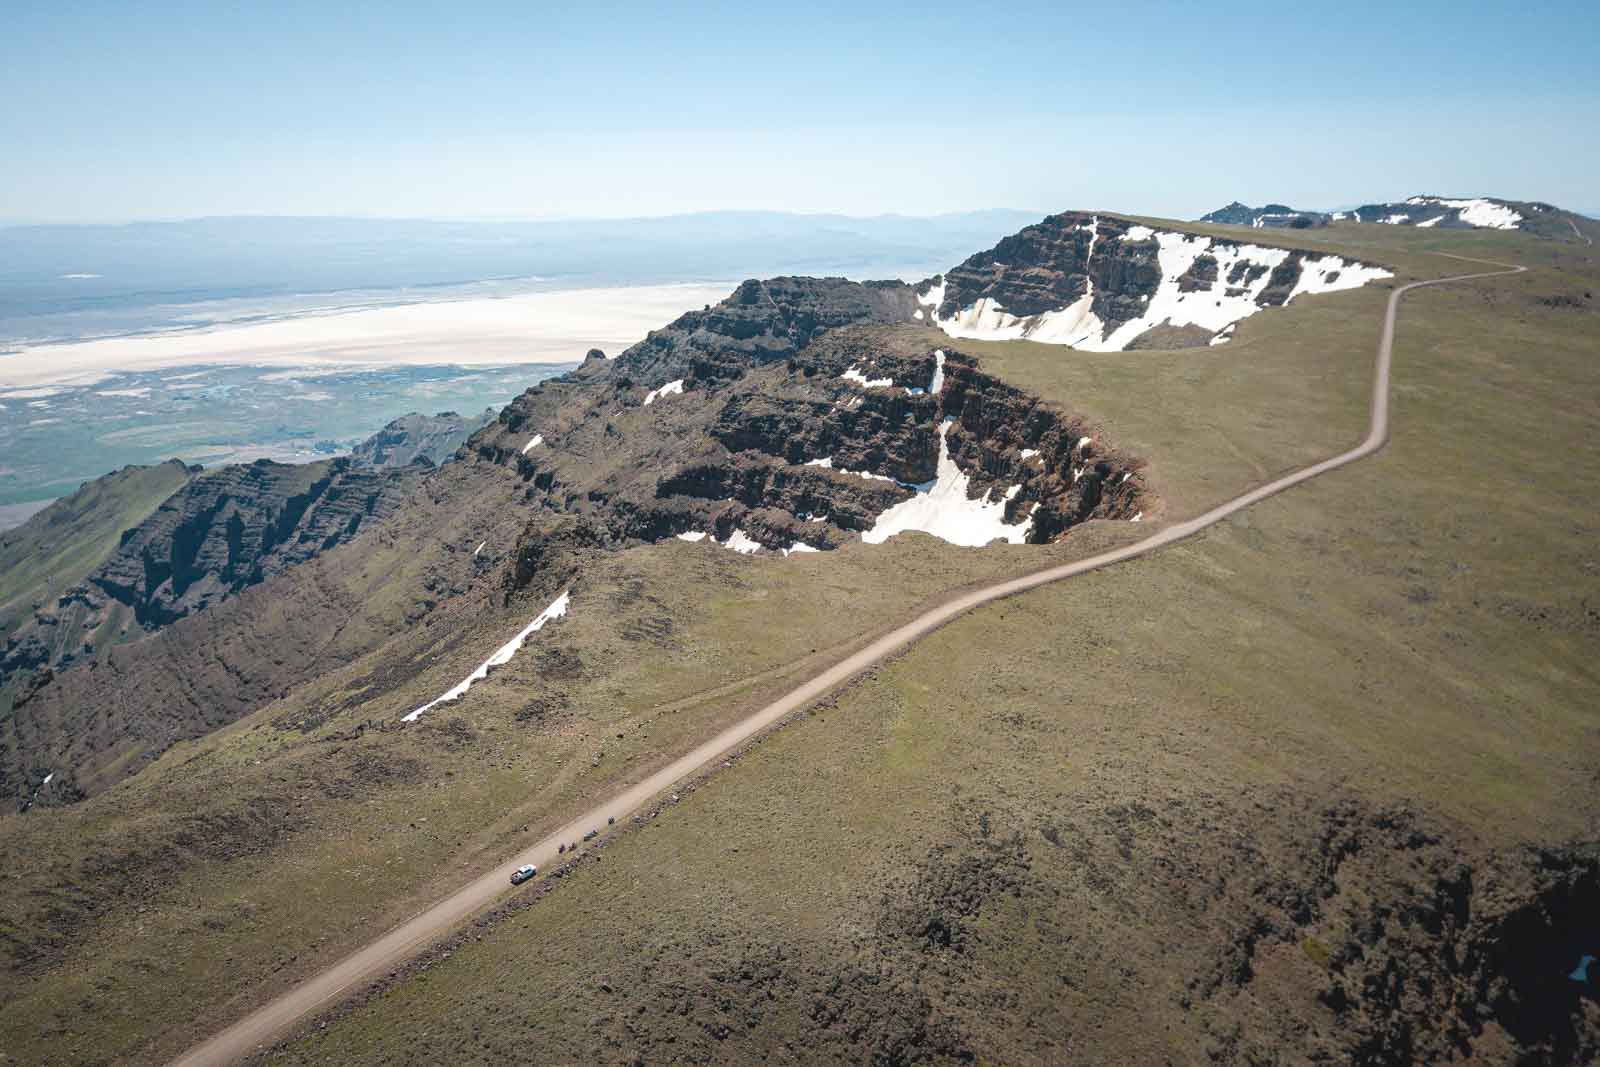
(1206,282)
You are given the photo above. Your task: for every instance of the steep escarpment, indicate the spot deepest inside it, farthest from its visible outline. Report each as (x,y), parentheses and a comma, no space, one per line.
(184,550)
(222,532)
(109,715)
(809,450)
(761,322)
(58,547)
(797,415)
(1105,284)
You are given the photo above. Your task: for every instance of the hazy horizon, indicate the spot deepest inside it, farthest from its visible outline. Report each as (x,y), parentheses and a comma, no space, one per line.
(406,111)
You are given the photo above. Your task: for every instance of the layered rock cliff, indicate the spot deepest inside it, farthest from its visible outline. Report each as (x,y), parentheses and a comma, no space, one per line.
(1106,284)
(808,449)
(223,531)
(229,529)
(799,414)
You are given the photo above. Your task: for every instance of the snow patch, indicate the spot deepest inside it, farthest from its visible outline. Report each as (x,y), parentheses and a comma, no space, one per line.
(533,442)
(869,476)
(693,535)
(937,383)
(825,462)
(479,549)
(670,389)
(1475,212)
(742,543)
(1082,441)
(1211,308)
(502,656)
(1330,274)
(1137,517)
(944,510)
(1434,221)
(1029,453)
(52,774)
(854,375)
(800,546)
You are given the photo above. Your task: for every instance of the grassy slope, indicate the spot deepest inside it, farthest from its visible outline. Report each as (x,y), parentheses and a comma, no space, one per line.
(1224,662)
(1419,631)
(58,547)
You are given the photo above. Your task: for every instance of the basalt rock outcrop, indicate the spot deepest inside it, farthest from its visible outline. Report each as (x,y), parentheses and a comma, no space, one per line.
(1104,283)
(226,530)
(790,416)
(762,321)
(801,442)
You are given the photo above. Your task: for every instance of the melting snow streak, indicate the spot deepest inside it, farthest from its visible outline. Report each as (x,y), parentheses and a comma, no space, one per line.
(501,657)
(670,389)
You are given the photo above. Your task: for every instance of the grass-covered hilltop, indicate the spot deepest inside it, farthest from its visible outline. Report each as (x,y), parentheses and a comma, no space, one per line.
(1317,784)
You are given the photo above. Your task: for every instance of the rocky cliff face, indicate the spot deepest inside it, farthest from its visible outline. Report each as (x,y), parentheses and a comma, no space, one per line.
(799,414)
(1106,284)
(760,323)
(239,525)
(806,450)
(229,529)
(226,530)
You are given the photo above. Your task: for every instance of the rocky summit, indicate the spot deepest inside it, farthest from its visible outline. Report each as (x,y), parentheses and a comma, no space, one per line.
(1268,216)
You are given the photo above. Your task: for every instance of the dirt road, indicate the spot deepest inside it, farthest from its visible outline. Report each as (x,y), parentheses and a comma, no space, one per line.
(386,953)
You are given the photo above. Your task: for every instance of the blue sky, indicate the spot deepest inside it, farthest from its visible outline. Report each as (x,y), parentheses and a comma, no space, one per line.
(162,110)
